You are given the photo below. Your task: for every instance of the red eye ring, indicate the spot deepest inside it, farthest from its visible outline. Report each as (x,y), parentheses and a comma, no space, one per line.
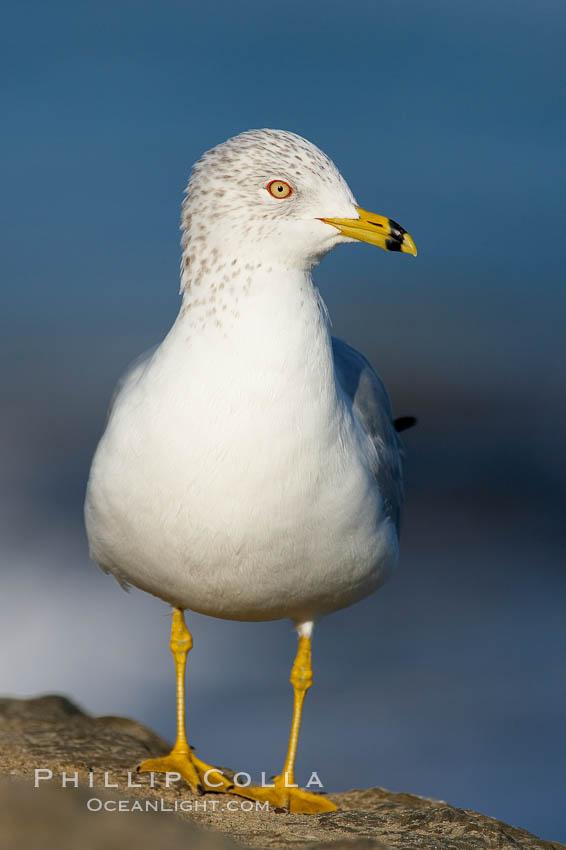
(279,189)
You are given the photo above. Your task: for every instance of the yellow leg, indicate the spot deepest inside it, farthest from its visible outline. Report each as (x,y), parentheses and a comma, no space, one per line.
(301,679)
(295,799)
(180,759)
(283,793)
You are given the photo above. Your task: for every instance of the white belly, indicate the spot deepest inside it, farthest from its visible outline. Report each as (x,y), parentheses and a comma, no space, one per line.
(256,518)
(240,486)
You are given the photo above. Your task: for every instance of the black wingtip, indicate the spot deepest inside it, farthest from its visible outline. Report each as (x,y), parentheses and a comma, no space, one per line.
(404,422)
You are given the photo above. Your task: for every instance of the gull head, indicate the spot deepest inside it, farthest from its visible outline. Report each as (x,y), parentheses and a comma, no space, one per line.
(270,196)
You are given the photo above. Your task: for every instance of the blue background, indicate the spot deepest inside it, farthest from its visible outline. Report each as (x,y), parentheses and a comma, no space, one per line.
(448,117)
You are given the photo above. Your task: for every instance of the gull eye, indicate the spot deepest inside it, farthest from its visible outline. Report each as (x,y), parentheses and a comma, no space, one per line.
(279,189)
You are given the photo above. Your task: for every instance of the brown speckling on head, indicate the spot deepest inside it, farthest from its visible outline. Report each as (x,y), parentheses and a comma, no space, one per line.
(227,215)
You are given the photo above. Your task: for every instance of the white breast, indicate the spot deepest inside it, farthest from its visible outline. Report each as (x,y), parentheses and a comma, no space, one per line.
(233,478)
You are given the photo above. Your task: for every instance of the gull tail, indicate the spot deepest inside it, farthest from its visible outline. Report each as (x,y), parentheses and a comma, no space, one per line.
(404,422)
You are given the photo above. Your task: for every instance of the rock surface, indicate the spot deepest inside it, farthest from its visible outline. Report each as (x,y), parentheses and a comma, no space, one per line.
(51,733)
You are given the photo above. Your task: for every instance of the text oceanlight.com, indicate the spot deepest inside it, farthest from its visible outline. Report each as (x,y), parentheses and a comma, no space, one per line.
(95,804)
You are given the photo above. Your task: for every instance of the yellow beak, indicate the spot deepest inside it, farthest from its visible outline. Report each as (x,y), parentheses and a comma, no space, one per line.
(375,229)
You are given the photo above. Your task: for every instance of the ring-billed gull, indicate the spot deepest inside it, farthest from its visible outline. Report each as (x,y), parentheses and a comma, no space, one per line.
(250,468)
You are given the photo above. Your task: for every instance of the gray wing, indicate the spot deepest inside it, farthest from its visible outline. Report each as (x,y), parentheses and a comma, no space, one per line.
(130,376)
(370,400)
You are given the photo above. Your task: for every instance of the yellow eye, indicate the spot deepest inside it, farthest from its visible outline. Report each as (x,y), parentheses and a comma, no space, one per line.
(279,189)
